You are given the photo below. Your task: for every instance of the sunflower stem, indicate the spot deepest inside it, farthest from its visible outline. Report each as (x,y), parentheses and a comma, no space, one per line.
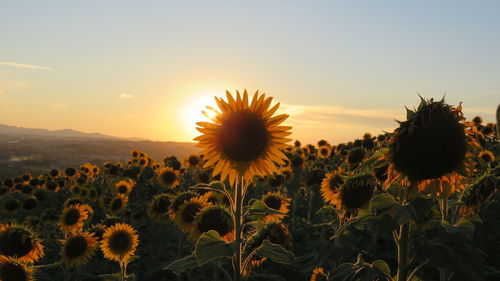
(403,249)
(238,227)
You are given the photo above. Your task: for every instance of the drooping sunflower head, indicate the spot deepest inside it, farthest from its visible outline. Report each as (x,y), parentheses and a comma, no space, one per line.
(318,274)
(430,143)
(324,152)
(119,242)
(78,249)
(276,201)
(124,186)
(216,218)
(14,270)
(356,155)
(186,215)
(17,241)
(245,139)
(169,177)
(73,218)
(330,186)
(356,191)
(158,208)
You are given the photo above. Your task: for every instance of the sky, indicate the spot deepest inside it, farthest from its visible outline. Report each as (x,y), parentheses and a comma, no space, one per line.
(145,69)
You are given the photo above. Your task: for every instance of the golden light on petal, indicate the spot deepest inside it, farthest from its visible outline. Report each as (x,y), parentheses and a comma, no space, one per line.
(244,138)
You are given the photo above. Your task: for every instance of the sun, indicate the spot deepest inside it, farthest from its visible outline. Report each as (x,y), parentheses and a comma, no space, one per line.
(199,108)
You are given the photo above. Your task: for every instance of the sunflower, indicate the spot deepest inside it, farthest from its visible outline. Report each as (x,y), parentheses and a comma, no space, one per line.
(169,177)
(355,193)
(186,215)
(119,242)
(276,201)
(487,156)
(17,241)
(431,143)
(118,203)
(78,249)
(73,217)
(324,152)
(216,218)
(14,270)
(181,198)
(330,186)
(192,161)
(244,140)
(318,274)
(124,186)
(158,207)
(12,205)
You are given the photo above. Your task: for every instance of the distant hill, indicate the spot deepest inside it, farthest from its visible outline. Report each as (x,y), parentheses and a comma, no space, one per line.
(24,150)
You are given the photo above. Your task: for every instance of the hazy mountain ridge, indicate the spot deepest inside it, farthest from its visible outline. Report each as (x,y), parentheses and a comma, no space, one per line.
(24,150)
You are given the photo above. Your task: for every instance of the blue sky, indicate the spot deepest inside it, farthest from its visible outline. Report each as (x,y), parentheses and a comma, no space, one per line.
(339,68)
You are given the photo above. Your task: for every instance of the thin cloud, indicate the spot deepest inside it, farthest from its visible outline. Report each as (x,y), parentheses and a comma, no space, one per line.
(126,96)
(57,106)
(27,66)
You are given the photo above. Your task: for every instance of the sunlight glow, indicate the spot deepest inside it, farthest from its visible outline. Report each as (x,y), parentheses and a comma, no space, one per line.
(201,108)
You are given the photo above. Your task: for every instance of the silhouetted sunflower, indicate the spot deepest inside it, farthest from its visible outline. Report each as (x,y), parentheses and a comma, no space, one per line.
(356,192)
(430,143)
(78,249)
(244,140)
(169,177)
(17,241)
(14,270)
(192,161)
(119,242)
(356,155)
(186,215)
(73,217)
(330,186)
(276,201)
(158,208)
(216,218)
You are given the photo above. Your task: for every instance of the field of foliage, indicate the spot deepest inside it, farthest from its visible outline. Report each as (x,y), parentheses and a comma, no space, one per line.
(419,203)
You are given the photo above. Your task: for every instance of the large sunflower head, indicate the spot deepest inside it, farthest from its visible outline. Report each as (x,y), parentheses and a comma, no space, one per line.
(169,177)
(119,242)
(186,215)
(330,186)
(430,143)
(14,270)
(73,217)
(158,208)
(216,218)
(245,139)
(276,201)
(17,241)
(78,249)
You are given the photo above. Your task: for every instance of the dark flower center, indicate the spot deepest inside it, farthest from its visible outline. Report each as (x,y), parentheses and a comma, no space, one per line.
(15,243)
(120,242)
(76,247)
(72,217)
(116,204)
(168,177)
(243,136)
(190,212)
(273,202)
(216,219)
(12,271)
(161,204)
(122,189)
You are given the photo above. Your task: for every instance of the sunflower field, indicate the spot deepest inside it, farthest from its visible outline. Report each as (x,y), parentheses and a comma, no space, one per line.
(419,203)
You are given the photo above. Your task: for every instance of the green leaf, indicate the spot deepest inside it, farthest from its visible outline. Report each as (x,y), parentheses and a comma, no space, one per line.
(275,253)
(210,247)
(382,201)
(260,208)
(383,267)
(181,265)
